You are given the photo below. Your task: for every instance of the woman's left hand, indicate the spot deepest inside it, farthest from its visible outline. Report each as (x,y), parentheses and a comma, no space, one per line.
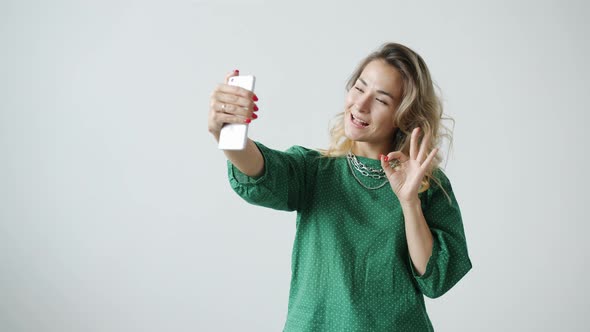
(406,178)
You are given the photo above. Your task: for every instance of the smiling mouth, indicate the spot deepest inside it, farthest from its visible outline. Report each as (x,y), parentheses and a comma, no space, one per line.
(357,121)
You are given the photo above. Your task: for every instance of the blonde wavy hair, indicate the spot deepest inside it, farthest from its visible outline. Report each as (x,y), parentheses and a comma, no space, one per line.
(420,107)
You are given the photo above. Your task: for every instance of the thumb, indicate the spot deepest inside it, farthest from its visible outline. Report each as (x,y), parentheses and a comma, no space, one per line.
(236,72)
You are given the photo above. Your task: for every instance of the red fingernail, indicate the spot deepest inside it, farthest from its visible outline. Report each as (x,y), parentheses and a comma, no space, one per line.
(386,158)
(236,71)
(255,108)
(254,98)
(254,116)
(247,121)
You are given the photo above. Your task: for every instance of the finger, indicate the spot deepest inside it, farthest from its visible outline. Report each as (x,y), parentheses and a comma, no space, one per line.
(236,101)
(231,74)
(217,120)
(429,159)
(385,165)
(233,109)
(222,118)
(423,149)
(414,143)
(397,155)
(234,90)
(392,161)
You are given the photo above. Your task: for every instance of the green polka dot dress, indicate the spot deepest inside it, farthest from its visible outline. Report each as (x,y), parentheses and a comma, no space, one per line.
(351,270)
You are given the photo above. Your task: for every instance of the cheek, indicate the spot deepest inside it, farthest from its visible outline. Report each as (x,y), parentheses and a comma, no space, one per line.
(348,101)
(386,121)
(392,120)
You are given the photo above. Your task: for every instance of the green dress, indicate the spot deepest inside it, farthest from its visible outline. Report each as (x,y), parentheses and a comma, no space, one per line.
(351,270)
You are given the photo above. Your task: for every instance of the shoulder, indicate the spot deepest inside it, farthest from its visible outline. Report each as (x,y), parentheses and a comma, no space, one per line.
(295,156)
(300,149)
(304,151)
(440,176)
(295,151)
(439,186)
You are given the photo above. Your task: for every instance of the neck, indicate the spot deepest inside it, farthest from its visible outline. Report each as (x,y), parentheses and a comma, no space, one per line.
(370,150)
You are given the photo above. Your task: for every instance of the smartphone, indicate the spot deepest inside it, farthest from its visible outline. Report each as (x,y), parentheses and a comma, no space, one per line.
(233,136)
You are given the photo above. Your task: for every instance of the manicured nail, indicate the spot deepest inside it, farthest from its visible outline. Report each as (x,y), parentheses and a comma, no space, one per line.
(255,108)
(247,121)
(254,116)
(386,158)
(236,71)
(254,97)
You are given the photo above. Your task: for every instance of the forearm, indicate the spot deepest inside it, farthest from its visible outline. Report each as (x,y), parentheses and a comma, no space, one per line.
(249,161)
(418,235)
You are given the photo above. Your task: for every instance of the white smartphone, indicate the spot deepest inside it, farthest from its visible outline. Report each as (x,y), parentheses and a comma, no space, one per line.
(233,136)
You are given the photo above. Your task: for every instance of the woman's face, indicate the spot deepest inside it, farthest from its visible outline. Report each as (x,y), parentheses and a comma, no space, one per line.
(371,103)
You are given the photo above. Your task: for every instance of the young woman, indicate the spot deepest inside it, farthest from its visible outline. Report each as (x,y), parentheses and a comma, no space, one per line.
(378,226)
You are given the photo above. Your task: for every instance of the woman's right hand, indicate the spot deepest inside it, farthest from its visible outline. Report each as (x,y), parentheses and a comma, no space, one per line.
(230,104)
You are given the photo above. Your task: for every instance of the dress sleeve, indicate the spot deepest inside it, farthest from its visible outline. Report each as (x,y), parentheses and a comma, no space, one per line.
(449,261)
(282,183)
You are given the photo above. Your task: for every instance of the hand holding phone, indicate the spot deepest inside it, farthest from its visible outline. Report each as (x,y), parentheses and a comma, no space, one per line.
(233,136)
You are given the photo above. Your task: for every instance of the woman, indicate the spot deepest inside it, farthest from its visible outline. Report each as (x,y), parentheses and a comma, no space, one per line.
(365,253)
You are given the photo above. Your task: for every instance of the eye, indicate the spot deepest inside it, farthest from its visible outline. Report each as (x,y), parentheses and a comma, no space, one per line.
(382,102)
(359,89)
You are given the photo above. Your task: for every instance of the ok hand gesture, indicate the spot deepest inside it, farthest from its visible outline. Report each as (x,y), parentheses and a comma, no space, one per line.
(405,177)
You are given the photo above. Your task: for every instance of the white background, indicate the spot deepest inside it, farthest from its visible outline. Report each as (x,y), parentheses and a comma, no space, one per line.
(115,209)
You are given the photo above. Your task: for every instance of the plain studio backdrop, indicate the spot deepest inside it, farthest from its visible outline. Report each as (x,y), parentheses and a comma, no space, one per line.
(115,209)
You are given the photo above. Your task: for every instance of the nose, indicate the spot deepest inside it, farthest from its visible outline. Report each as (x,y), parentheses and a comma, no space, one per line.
(362,103)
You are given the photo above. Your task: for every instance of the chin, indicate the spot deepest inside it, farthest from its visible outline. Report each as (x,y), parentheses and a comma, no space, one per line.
(354,138)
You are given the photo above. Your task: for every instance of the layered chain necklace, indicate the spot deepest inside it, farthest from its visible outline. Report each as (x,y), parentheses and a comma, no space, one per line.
(366,171)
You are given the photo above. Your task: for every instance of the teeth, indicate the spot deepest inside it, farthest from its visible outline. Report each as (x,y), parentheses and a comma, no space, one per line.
(359,120)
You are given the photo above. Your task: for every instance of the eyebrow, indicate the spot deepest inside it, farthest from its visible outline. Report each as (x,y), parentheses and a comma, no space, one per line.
(378,91)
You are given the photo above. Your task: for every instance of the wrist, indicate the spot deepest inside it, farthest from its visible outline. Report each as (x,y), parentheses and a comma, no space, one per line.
(411,203)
